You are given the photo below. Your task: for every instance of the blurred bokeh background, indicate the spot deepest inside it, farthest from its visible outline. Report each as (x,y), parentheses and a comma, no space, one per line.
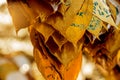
(16,54)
